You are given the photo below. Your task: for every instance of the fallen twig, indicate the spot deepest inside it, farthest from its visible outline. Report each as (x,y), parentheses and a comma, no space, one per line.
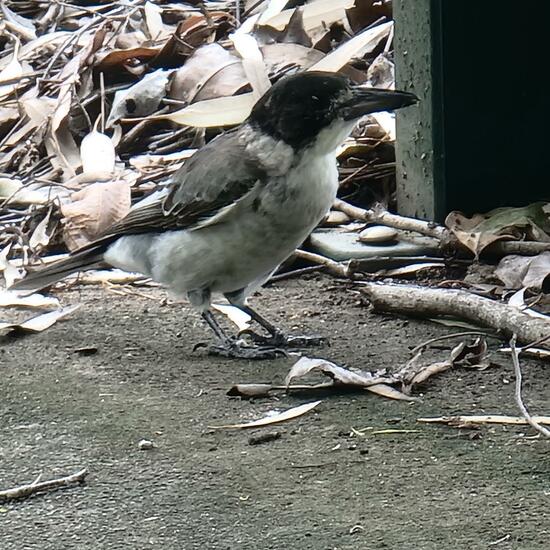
(449,337)
(519,400)
(38,486)
(464,420)
(339,269)
(429,302)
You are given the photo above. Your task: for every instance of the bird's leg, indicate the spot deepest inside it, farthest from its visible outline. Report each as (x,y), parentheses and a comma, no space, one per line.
(235,348)
(276,336)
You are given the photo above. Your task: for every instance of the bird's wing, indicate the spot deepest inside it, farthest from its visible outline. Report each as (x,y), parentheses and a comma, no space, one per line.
(214,178)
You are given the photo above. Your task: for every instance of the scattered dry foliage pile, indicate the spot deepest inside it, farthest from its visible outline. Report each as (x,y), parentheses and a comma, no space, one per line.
(100,102)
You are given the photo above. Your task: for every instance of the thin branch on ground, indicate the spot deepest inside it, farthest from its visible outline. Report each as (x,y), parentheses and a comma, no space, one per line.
(519,400)
(38,486)
(449,337)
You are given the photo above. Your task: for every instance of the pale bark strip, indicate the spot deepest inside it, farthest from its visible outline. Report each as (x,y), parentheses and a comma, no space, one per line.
(519,400)
(42,486)
(459,304)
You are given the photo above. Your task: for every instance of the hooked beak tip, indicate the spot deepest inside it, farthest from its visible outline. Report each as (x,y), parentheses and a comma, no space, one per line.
(372,100)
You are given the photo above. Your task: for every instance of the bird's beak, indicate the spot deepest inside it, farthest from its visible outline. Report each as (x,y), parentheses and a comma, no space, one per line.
(371,100)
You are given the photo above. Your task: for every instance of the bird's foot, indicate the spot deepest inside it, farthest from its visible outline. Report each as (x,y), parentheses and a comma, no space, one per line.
(281,340)
(239,350)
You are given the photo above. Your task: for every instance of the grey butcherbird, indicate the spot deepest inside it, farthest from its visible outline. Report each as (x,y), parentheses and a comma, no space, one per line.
(240,205)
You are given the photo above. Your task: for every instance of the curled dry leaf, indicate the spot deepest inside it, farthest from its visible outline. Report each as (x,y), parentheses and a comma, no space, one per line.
(375,383)
(531,222)
(41,235)
(360,44)
(93,210)
(340,375)
(273,419)
(472,355)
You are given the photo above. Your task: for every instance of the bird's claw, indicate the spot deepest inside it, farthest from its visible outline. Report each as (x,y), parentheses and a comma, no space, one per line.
(282,340)
(237,350)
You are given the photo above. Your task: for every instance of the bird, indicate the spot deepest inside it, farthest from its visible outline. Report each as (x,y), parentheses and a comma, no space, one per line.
(240,206)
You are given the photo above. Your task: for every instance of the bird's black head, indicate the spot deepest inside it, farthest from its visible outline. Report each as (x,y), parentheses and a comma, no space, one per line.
(298,107)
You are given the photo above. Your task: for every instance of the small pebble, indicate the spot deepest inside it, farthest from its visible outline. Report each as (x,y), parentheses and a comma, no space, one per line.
(378,234)
(145,445)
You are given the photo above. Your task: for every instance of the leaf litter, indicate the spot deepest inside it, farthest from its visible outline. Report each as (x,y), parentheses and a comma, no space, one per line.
(154,76)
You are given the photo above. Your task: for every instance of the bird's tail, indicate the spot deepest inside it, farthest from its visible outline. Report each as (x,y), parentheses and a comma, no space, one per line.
(90,257)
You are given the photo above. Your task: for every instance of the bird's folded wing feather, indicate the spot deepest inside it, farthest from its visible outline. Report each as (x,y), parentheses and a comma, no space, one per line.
(214,178)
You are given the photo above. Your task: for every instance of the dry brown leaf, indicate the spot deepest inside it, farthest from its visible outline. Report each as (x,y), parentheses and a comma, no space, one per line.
(273,419)
(531,222)
(340,375)
(211,71)
(40,322)
(222,111)
(416,371)
(279,57)
(40,237)
(390,392)
(141,99)
(360,44)
(93,210)
(525,271)
(253,62)
(116,59)
(317,14)
(9,298)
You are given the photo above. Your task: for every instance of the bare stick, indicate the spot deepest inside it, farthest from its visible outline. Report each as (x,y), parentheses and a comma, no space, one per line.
(517,370)
(338,269)
(430,302)
(41,486)
(392,220)
(449,337)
